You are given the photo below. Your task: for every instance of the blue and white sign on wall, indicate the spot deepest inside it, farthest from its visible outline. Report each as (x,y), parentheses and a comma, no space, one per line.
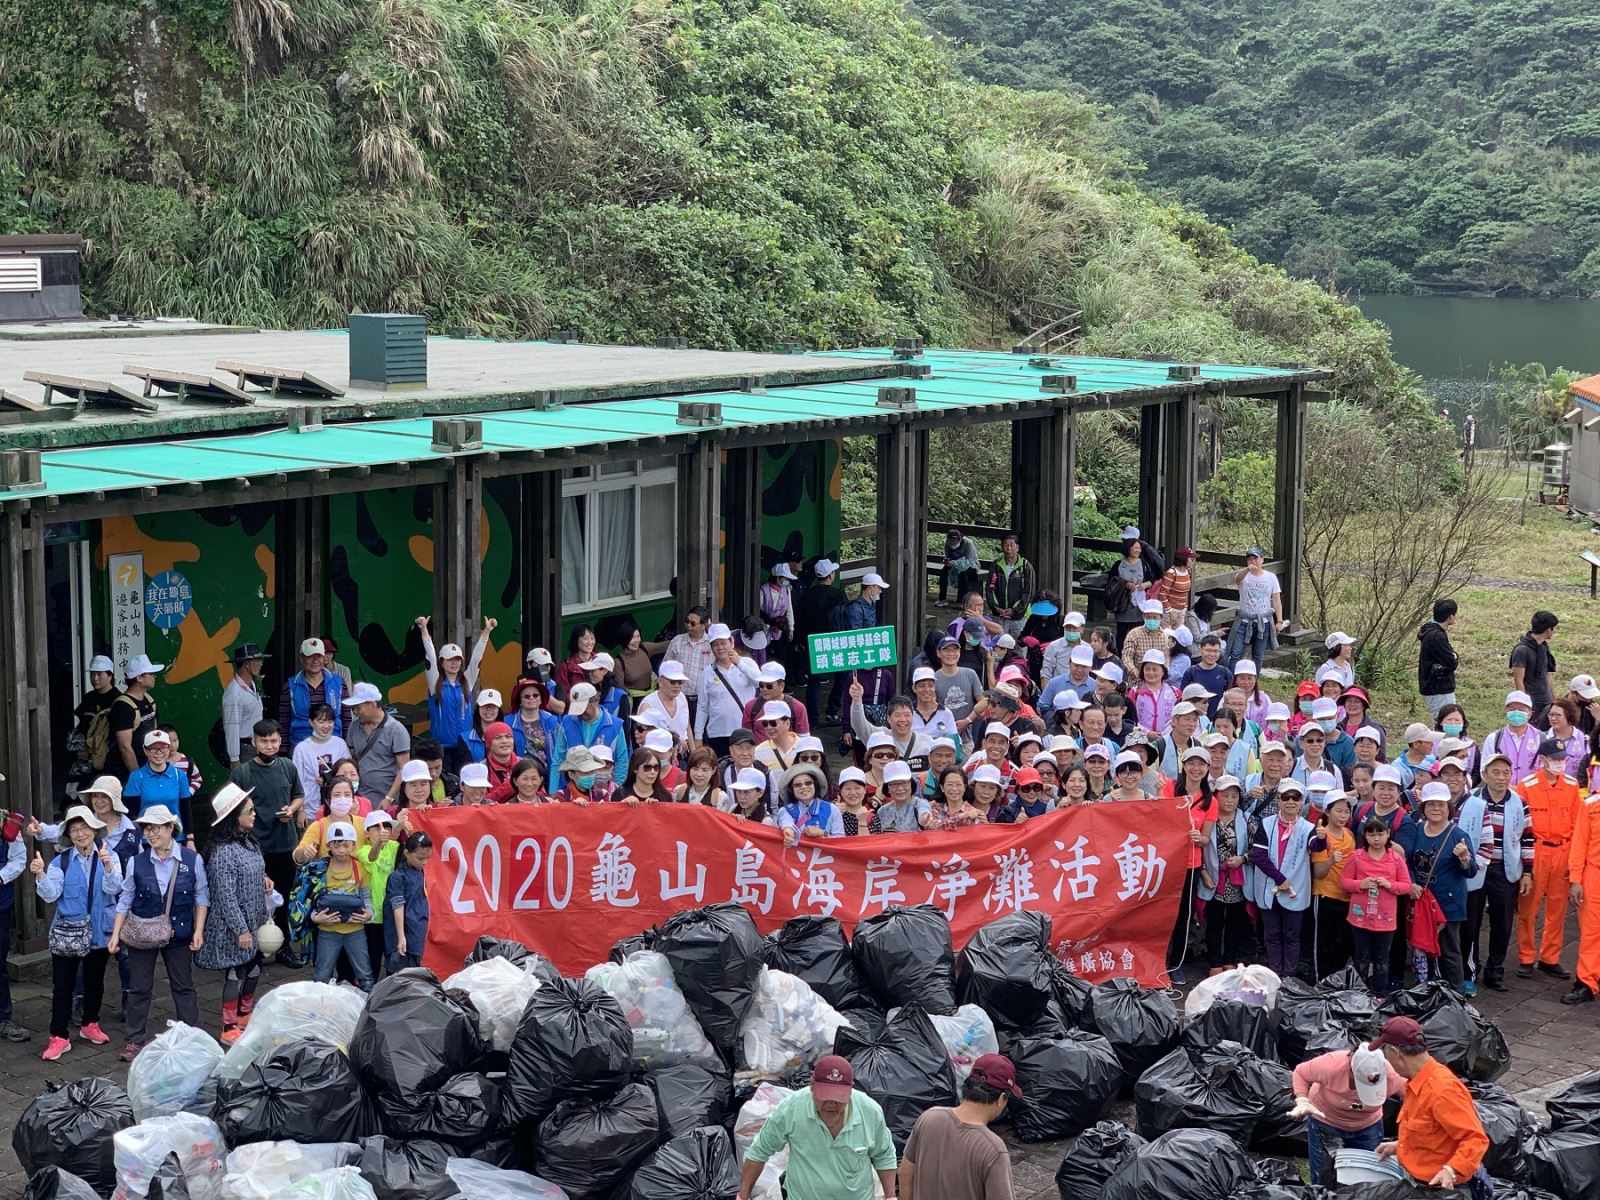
(167,600)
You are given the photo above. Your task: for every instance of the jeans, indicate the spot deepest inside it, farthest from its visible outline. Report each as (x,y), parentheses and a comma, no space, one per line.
(354,945)
(1013,627)
(1248,637)
(1372,948)
(64,978)
(1435,703)
(179,960)
(1318,1133)
(1282,928)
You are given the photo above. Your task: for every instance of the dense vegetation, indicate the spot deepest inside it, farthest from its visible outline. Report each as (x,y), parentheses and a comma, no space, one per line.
(1363,143)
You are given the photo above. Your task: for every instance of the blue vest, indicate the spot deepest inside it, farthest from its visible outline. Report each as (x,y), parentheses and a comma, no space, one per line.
(1295,867)
(448,716)
(802,815)
(300,705)
(150,901)
(77,901)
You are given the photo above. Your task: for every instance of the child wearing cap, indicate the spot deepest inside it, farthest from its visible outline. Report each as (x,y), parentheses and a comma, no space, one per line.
(341,906)
(377,857)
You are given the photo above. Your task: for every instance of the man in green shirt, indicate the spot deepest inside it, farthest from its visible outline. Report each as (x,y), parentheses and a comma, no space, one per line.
(836,1138)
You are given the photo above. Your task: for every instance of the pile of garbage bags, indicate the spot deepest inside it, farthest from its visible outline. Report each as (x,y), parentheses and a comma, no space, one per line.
(715,954)
(72,1128)
(1458,1036)
(664,1030)
(1225,1088)
(787,1028)
(816,950)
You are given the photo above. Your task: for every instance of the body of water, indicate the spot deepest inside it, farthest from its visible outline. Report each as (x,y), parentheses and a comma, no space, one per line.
(1463,337)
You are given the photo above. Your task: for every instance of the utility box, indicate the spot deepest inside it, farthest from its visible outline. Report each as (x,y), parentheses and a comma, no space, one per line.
(388,351)
(39,277)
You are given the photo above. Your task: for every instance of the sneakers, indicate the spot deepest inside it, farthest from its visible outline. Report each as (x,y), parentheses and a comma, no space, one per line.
(1176,977)
(56,1048)
(12,1032)
(130,1052)
(1581,993)
(1468,988)
(230,1034)
(93,1033)
(1555,970)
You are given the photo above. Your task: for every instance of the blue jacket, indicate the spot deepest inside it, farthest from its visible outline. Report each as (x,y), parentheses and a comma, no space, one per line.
(478,752)
(1295,866)
(604,728)
(1449,884)
(860,614)
(300,705)
(67,883)
(449,716)
(150,901)
(405,890)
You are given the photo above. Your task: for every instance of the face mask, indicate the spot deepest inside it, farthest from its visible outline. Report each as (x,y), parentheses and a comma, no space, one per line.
(1327,726)
(1454,727)
(1072,637)
(1305,707)
(585,782)
(1516,719)
(1153,623)
(340,806)
(972,641)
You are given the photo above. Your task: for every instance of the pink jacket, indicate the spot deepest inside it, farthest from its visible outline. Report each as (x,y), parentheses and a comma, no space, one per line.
(1154,707)
(1376,914)
(1326,1081)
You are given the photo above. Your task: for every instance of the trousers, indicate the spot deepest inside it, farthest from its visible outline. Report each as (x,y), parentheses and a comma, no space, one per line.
(1330,946)
(1549,894)
(179,960)
(1318,1133)
(354,947)
(64,981)
(1282,927)
(1589,930)
(1372,957)
(1230,937)
(1496,900)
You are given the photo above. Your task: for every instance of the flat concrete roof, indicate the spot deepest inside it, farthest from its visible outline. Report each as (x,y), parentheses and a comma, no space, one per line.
(459,369)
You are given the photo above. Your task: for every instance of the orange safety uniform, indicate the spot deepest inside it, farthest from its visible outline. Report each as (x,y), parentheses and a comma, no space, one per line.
(1439,1126)
(1584,865)
(1553,807)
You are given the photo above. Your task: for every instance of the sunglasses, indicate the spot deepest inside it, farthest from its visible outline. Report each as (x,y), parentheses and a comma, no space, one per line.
(881,754)
(769,683)
(769,724)
(649,766)
(810,756)
(1031,789)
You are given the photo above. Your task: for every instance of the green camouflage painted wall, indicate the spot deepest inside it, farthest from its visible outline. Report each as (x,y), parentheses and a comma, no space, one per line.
(800,500)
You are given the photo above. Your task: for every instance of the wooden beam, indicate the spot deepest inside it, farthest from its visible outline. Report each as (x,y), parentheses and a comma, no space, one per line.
(1288,510)
(541,560)
(1180,440)
(301,543)
(741,508)
(699,526)
(902,532)
(458,553)
(1152,474)
(25,757)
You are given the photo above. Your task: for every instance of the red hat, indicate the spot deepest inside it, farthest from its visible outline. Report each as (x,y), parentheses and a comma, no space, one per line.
(1308,690)
(998,1072)
(1026,775)
(1402,1033)
(496,729)
(832,1079)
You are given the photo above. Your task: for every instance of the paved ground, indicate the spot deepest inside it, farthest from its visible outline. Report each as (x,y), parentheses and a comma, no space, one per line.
(1549,1045)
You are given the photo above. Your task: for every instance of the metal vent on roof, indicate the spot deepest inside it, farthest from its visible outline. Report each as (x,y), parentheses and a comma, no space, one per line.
(389,351)
(1058,383)
(699,412)
(1183,371)
(21,273)
(20,471)
(903,399)
(454,434)
(913,370)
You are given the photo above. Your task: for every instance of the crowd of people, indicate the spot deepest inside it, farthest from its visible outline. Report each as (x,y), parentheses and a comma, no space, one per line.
(1318,837)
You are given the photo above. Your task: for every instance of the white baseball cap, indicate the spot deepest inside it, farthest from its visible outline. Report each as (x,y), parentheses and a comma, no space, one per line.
(897,771)
(157,737)
(1130,533)
(1418,732)
(1584,685)
(1197,691)
(643,718)
(773,672)
(450,650)
(101,663)
(376,817)
(414,771)
(601,661)
(1216,739)
(1433,791)
(1158,657)
(1459,764)
(1184,709)
(140,664)
(581,696)
(1198,752)
(1130,758)
(1082,655)
(852,775)
(1277,711)
(1006,642)
(922,675)
(996,729)
(475,775)
(879,739)
(1324,708)
(1338,638)
(1370,1072)
(808,743)
(1388,773)
(1150,607)
(873,579)
(750,780)
(1182,636)
(1321,781)
(1074,619)
(1227,781)
(363,693)
(540,657)
(1370,733)
(490,696)
(1028,735)
(783,571)
(824,567)
(718,631)
(671,668)
(776,710)
(1511,697)
(988,773)
(602,752)
(1067,700)
(1110,672)
(658,741)
(1276,748)
(1291,785)
(341,831)
(1244,667)
(312,646)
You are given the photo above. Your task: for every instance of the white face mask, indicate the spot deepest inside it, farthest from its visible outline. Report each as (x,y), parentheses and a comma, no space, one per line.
(340,806)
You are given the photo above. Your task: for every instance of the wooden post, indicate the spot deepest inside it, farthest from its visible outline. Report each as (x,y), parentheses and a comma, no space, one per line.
(1042,471)
(1288,510)
(699,526)
(1152,473)
(458,553)
(1181,441)
(902,533)
(741,503)
(1029,478)
(1069,500)
(542,510)
(25,715)
(300,538)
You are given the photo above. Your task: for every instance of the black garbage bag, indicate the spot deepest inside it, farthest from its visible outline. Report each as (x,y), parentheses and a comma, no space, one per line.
(906,957)
(1278,1179)
(906,1069)
(507,1150)
(1399,1189)
(1564,1161)
(407,1168)
(514,952)
(1308,1024)
(413,1035)
(715,954)
(1576,1106)
(1505,1189)
(1186,1164)
(1458,1036)
(816,950)
(588,1147)
(573,1043)
(698,1165)
(1141,1026)
(53,1183)
(70,1127)
(1225,1088)
(1095,1157)
(867,1020)
(1072,995)
(1251,1025)
(689,1096)
(1067,1084)
(1506,1123)
(168,1183)
(632,944)
(306,1092)
(463,1113)
(1008,971)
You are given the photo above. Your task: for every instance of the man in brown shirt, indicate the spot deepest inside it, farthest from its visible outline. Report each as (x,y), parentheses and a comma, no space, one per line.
(952,1154)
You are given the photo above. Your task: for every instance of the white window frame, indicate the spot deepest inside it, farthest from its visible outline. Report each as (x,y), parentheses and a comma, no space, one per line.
(588,481)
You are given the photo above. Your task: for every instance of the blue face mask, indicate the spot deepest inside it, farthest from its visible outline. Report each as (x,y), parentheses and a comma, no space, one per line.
(1153,623)
(1453,727)
(584,782)
(1072,637)
(1305,707)
(1327,726)
(1516,718)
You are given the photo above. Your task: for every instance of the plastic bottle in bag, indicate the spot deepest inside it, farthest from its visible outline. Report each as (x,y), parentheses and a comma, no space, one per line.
(140,1151)
(499,989)
(665,1031)
(341,1183)
(265,1170)
(481,1181)
(752,1116)
(171,1070)
(788,1027)
(968,1034)
(291,1013)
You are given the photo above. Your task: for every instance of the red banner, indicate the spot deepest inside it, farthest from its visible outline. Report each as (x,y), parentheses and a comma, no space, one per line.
(569,882)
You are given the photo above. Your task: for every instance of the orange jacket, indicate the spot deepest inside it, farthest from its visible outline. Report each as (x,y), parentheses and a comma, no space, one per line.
(1585,841)
(1439,1126)
(1552,806)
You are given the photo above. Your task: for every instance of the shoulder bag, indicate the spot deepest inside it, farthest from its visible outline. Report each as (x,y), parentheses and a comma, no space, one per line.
(69,938)
(153,933)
